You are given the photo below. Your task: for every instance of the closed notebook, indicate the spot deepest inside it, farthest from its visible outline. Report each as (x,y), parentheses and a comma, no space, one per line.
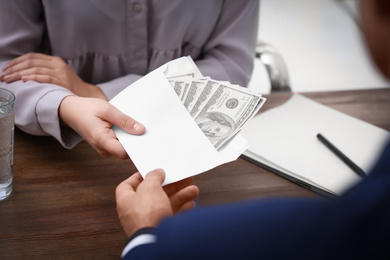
(284,140)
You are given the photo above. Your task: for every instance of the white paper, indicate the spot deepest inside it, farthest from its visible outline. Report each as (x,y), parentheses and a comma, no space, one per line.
(285,138)
(172,141)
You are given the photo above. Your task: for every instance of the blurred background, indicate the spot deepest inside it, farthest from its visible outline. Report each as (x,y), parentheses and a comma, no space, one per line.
(320,43)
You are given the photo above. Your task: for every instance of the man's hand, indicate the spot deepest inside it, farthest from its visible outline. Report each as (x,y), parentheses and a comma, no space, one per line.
(92,118)
(144,203)
(44,68)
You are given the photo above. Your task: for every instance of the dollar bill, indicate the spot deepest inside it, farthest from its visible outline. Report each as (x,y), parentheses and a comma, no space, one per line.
(225,112)
(180,87)
(194,90)
(219,108)
(203,96)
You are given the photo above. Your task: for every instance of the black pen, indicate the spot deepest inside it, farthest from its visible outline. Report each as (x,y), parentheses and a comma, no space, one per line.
(342,156)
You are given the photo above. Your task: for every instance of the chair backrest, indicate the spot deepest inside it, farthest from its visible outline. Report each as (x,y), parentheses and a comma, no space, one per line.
(275,65)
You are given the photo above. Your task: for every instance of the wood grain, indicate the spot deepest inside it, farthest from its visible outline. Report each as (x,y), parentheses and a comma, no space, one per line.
(63,201)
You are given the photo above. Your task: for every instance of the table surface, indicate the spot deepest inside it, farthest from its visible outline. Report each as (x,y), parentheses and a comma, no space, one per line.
(63,201)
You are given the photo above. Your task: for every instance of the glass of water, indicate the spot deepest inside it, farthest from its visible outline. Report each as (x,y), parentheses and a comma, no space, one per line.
(7,99)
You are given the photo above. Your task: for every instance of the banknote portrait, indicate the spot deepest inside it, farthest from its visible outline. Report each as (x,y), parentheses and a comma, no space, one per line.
(216,125)
(219,108)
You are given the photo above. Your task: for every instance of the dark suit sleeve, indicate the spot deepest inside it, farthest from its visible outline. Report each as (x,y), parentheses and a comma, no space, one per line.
(143,236)
(354,226)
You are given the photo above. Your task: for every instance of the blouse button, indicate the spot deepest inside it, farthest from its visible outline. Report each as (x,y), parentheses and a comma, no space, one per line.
(138,55)
(137,8)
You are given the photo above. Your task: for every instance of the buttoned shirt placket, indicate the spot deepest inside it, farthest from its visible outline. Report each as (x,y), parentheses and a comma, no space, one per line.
(137,37)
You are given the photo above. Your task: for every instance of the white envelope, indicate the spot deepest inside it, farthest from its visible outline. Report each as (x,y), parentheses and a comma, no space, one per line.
(172,141)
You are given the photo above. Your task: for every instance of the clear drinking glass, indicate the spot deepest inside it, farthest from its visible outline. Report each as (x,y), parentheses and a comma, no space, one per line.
(7,99)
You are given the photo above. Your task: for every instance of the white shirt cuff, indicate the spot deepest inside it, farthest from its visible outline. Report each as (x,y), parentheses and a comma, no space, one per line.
(140,240)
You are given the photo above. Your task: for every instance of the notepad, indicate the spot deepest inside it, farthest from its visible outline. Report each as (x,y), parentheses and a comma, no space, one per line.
(284,140)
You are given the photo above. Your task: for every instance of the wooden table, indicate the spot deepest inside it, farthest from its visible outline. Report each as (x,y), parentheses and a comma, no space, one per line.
(63,203)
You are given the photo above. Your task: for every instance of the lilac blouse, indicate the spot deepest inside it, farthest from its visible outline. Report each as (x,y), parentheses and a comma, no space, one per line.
(112,43)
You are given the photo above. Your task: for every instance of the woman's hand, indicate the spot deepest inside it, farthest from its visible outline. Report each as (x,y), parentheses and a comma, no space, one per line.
(92,118)
(144,203)
(44,68)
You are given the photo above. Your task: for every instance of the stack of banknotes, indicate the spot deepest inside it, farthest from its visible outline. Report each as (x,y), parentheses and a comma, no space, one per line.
(219,108)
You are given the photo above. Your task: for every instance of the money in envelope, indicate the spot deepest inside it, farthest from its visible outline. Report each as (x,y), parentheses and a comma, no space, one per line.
(192,122)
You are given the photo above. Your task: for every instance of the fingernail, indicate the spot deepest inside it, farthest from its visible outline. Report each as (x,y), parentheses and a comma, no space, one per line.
(138,127)
(2,74)
(5,67)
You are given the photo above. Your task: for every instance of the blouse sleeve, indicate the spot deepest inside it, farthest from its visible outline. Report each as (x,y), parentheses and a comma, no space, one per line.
(229,54)
(36,105)
(113,87)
